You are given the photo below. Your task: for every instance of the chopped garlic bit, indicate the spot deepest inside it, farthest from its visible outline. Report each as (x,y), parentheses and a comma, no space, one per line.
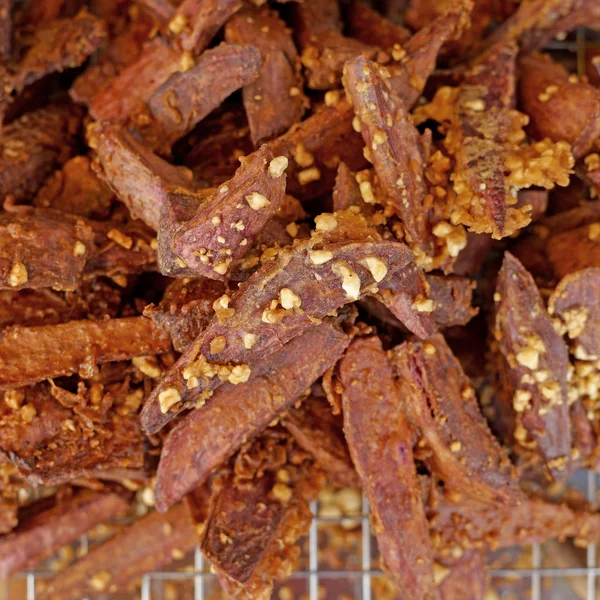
(325,222)
(350,280)
(289,299)
(168,398)
(257,201)
(376,267)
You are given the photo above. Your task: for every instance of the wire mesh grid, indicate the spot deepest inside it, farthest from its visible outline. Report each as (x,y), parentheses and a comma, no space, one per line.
(202,581)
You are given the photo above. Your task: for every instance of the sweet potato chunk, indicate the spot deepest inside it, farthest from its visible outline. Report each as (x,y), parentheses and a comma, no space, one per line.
(139,178)
(33,146)
(394,146)
(40,536)
(76,190)
(275,101)
(318,431)
(196,22)
(185,98)
(43,250)
(256,519)
(151,542)
(380,441)
(30,354)
(313,147)
(532,370)
(443,406)
(559,106)
(60,44)
(222,230)
(208,436)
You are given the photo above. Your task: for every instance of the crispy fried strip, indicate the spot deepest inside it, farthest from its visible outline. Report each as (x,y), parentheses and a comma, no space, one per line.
(256,521)
(30,354)
(394,146)
(185,309)
(480,143)
(324,48)
(575,302)
(222,231)
(318,431)
(452,296)
(316,290)
(535,23)
(42,535)
(465,578)
(558,107)
(46,249)
(76,190)
(185,98)
(380,442)
(119,52)
(275,101)
(151,542)
(135,83)
(370,27)
(533,370)
(60,44)
(33,145)
(196,22)
(417,63)
(139,178)
(207,437)
(443,406)
(407,296)
(321,139)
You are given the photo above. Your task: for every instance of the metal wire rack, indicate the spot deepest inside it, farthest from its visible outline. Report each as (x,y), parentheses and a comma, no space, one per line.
(541,579)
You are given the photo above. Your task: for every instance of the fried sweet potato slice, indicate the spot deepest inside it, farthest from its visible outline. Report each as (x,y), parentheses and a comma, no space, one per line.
(537,22)
(575,302)
(196,22)
(119,52)
(466,523)
(314,146)
(150,543)
(443,406)
(371,27)
(416,59)
(483,102)
(139,178)
(60,44)
(394,146)
(407,297)
(275,101)
(76,190)
(380,440)
(120,249)
(258,516)
(43,534)
(135,83)
(33,146)
(318,431)
(533,369)
(324,48)
(186,309)
(43,250)
(30,354)
(185,98)
(207,437)
(452,296)
(221,232)
(295,289)
(559,106)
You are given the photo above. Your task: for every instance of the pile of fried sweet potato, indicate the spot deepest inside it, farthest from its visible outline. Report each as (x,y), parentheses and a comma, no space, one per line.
(249,249)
